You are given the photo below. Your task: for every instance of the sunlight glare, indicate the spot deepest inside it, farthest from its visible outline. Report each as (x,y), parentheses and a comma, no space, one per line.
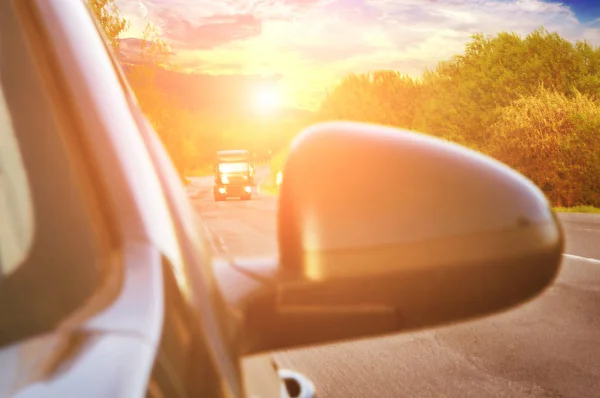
(267,100)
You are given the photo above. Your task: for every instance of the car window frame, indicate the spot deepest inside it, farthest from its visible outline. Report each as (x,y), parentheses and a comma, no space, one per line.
(46,90)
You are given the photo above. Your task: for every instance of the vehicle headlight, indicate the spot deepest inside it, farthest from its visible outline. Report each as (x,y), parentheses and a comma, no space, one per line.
(222,190)
(225,180)
(248,189)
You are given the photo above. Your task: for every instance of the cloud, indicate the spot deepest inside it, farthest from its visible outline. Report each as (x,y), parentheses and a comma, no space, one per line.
(130,51)
(314,42)
(209,32)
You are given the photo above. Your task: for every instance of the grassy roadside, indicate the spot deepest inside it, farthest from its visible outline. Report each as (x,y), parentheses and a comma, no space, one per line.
(269,185)
(270,188)
(204,171)
(578,209)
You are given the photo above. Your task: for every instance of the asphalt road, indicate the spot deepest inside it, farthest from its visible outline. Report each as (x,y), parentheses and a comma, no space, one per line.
(549,347)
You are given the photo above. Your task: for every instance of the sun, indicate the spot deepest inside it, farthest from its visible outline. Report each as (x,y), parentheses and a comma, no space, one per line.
(267,100)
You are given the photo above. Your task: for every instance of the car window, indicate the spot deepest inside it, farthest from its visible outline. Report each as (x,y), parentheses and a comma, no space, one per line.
(50,238)
(16,209)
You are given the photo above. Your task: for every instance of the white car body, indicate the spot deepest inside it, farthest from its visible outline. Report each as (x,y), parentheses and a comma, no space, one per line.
(111,344)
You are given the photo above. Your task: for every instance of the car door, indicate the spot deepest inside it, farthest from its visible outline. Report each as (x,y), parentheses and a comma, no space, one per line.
(81,285)
(258,374)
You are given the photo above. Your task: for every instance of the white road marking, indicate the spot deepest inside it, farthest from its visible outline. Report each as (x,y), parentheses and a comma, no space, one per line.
(588,259)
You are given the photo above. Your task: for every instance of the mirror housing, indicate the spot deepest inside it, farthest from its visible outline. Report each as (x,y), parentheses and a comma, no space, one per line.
(383,230)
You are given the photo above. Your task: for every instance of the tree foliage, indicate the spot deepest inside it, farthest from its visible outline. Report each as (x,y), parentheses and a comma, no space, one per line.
(555,140)
(386,97)
(169,122)
(466,91)
(109,17)
(530,101)
(154,52)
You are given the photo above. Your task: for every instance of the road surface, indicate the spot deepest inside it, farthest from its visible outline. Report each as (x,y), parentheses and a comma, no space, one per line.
(549,347)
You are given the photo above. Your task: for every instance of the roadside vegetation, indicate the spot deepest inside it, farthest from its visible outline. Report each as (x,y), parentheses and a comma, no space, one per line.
(269,185)
(578,209)
(532,102)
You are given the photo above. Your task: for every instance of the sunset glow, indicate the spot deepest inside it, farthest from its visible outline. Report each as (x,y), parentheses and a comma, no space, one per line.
(267,100)
(310,44)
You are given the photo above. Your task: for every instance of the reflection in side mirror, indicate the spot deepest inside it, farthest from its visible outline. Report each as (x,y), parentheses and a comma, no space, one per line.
(375,215)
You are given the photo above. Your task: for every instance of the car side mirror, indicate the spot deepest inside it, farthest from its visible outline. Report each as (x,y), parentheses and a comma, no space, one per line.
(384,230)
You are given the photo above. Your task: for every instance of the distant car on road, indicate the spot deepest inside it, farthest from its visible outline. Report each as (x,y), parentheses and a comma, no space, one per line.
(234,175)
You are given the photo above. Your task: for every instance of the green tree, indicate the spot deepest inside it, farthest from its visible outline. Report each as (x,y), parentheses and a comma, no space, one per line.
(489,98)
(177,128)
(155,56)
(384,97)
(555,141)
(464,93)
(109,17)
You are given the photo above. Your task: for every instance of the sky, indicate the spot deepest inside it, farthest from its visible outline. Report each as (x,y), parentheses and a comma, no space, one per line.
(309,44)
